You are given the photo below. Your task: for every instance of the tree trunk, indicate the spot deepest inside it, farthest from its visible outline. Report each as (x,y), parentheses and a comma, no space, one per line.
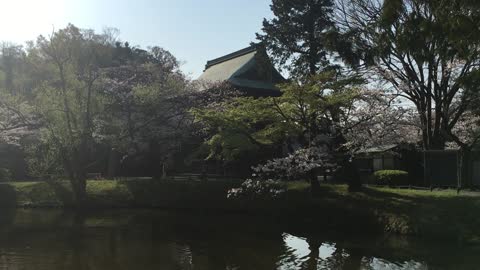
(79,186)
(312,262)
(353,177)
(437,142)
(314,184)
(164,171)
(464,171)
(112,164)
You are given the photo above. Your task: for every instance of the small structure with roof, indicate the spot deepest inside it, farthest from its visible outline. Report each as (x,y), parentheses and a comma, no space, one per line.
(378,158)
(391,157)
(249,70)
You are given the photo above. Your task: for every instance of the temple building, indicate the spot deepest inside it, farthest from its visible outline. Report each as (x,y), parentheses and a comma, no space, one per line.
(248,70)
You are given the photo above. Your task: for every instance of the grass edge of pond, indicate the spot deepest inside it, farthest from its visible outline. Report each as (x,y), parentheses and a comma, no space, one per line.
(433,214)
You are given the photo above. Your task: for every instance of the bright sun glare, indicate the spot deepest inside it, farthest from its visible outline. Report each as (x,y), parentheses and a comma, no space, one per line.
(26,19)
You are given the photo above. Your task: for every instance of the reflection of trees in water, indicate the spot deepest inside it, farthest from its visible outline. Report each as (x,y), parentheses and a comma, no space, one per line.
(145,240)
(313,256)
(321,252)
(345,253)
(307,253)
(339,259)
(176,243)
(224,243)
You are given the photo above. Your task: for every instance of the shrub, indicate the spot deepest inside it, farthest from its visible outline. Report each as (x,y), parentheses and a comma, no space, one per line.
(5,175)
(390,177)
(258,189)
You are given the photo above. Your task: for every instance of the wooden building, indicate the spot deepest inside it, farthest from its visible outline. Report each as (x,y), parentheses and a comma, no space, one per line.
(403,157)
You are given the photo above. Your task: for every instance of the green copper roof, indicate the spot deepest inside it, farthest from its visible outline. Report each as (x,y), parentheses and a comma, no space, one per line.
(224,71)
(246,68)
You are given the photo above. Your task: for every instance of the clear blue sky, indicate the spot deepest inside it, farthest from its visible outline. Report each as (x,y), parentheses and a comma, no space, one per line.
(193,30)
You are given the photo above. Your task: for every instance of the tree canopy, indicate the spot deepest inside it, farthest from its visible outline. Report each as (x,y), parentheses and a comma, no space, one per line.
(70,95)
(297,36)
(363,73)
(427,52)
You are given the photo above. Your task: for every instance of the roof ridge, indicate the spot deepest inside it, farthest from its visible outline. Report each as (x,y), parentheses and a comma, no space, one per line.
(230,56)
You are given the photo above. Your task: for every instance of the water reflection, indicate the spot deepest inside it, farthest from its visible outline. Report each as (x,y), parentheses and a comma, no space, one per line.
(51,239)
(304,255)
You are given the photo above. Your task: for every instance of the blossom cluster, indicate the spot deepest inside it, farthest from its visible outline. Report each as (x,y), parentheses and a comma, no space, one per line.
(296,165)
(258,189)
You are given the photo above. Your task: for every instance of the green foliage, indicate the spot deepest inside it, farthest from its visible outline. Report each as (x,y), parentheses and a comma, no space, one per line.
(144,110)
(43,158)
(244,125)
(66,102)
(240,127)
(297,35)
(390,177)
(426,50)
(391,10)
(77,90)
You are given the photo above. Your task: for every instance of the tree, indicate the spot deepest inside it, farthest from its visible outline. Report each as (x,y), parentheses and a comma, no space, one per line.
(17,119)
(147,109)
(427,51)
(81,93)
(297,35)
(68,102)
(375,119)
(146,113)
(11,65)
(299,119)
(232,128)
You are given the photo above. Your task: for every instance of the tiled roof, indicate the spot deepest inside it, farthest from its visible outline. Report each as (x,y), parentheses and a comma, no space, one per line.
(245,69)
(230,56)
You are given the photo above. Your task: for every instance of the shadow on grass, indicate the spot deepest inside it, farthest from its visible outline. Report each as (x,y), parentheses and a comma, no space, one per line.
(389,197)
(62,193)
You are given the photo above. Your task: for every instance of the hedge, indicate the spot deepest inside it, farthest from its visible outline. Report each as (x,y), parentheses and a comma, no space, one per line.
(390,177)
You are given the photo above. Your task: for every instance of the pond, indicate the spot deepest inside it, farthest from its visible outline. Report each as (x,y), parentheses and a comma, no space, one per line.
(141,239)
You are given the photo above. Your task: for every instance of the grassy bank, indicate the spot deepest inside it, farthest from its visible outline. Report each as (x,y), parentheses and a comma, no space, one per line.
(125,193)
(431,214)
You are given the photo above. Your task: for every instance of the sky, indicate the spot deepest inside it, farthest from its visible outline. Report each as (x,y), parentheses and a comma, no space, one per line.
(193,30)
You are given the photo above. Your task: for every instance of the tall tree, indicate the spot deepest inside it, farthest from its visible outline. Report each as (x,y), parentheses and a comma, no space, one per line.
(300,118)
(88,91)
(69,102)
(145,113)
(297,36)
(11,59)
(426,50)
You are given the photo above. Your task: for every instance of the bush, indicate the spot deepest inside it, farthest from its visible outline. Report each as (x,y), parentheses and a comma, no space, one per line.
(390,177)
(258,189)
(5,175)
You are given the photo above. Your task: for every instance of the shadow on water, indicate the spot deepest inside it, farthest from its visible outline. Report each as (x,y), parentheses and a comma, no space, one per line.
(178,194)
(144,239)
(8,196)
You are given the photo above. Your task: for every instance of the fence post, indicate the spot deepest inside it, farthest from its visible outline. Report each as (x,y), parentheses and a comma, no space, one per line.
(425,175)
(459,169)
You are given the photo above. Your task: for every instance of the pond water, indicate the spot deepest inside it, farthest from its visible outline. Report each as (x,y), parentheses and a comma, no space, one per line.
(138,239)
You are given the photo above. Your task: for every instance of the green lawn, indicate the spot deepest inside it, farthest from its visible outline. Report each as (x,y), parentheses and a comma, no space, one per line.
(437,214)
(441,213)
